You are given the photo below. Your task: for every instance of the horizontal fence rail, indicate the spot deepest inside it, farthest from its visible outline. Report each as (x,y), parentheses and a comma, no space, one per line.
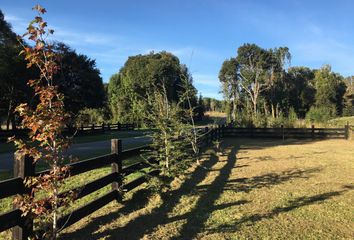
(297,133)
(80,130)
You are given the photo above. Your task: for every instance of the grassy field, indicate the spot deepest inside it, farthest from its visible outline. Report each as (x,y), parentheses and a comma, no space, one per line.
(342,121)
(256,189)
(212,118)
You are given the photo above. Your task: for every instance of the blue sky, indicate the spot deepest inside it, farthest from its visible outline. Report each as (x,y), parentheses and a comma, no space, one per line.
(202,33)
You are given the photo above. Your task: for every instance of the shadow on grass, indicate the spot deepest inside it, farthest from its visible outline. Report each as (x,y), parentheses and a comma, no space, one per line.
(294,204)
(266,180)
(208,195)
(136,228)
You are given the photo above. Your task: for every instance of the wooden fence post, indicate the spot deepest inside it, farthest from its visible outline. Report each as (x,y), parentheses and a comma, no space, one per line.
(108,126)
(313,132)
(116,148)
(102,127)
(346,129)
(118,126)
(93,127)
(82,127)
(206,135)
(282,132)
(23,167)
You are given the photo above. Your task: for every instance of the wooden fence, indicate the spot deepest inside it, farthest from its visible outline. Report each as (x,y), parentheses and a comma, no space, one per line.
(283,133)
(23,225)
(81,130)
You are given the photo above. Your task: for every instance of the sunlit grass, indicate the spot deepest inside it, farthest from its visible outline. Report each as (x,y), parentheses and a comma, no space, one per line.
(271,190)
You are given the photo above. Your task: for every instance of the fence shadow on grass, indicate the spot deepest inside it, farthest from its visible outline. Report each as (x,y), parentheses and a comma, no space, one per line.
(136,228)
(195,219)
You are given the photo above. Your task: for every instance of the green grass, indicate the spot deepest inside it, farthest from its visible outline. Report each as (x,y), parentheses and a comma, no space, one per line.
(340,122)
(256,189)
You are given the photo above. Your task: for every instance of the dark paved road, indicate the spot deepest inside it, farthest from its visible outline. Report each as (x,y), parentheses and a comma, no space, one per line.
(6,159)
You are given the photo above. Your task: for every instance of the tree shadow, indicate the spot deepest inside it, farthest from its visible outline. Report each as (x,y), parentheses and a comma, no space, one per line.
(265,180)
(195,219)
(143,224)
(139,199)
(293,204)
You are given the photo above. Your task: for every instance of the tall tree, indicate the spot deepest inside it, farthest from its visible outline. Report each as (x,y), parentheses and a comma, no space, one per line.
(275,93)
(79,80)
(349,97)
(229,78)
(13,73)
(330,89)
(137,77)
(255,71)
(300,89)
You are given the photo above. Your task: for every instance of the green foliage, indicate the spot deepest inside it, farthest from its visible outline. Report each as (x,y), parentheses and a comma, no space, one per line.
(79,80)
(129,88)
(264,87)
(13,74)
(300,89)
(96,116)
(349,97)
(169,142)
(330,89)
(321,114)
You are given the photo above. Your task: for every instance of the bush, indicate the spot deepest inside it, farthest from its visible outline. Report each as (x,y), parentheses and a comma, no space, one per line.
(92,116)
(320,114)
(260,120)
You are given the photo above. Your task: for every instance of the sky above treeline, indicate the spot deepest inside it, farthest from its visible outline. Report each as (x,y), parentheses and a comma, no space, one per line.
(202,33)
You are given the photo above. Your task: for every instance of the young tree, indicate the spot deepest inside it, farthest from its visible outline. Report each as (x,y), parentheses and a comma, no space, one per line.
(169,144)
(46,122)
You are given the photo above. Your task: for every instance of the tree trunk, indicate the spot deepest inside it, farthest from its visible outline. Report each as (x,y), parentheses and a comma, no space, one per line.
(273,111)
(9,116)
(234,106)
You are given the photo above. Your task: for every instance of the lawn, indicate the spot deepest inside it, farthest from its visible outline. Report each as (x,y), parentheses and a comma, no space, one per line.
(341,121)
(256,189)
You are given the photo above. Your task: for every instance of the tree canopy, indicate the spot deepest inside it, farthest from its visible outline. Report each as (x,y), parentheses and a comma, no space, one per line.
(137,79)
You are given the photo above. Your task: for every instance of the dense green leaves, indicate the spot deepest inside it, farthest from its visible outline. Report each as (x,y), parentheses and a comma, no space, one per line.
(79,80)
(129,89)
(263,86)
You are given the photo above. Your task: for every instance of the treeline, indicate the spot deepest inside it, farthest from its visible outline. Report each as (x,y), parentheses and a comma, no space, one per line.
(261,89)
(87,99)
(78,79)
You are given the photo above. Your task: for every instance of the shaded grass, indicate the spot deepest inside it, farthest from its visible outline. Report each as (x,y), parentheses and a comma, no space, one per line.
(256,189)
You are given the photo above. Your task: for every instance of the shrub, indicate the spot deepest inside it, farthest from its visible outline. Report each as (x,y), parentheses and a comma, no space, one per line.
(320,114)
(92,116)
